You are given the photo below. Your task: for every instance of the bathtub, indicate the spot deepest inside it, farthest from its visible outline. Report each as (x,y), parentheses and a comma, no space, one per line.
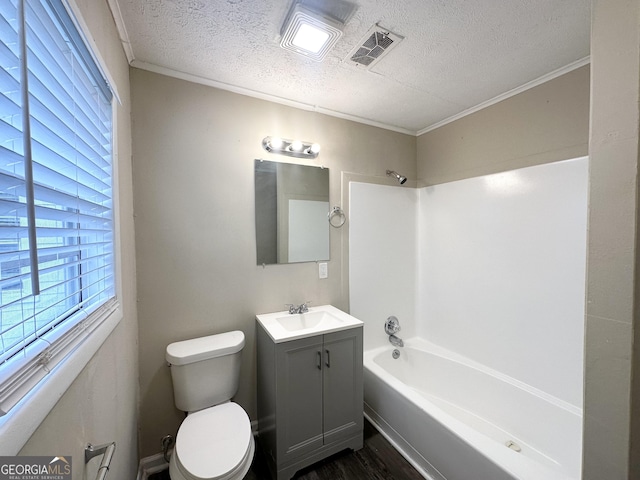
(454,419)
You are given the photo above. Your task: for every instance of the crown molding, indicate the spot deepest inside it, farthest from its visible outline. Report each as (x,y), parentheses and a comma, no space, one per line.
(511,93)
(122,30)
(264,96)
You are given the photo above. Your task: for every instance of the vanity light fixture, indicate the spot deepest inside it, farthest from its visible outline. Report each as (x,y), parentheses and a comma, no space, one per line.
(309,33)
(293,148)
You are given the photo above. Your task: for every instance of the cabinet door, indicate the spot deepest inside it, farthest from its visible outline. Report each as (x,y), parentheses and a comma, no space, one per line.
(299,397)
(342,379)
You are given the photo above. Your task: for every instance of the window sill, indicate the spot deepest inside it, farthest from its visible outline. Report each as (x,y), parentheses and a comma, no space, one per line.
(17,426)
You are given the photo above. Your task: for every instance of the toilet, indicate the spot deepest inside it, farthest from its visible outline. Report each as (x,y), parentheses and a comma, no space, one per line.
(214,441)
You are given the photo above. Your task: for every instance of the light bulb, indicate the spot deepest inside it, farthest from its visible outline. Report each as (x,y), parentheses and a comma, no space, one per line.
(296,146)
(310,38)
(276,143)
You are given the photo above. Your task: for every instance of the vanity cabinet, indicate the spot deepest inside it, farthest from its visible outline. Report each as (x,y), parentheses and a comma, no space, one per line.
(309,398)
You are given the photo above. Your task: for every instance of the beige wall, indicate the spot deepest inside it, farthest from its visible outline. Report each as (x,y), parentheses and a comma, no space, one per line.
(101,404)
(609,420)
(194,151)
(547,123)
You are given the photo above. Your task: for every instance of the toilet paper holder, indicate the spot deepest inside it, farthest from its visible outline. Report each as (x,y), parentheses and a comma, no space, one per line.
(106,450)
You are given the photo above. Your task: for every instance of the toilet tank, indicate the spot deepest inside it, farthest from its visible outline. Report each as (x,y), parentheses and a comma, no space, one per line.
(205,371)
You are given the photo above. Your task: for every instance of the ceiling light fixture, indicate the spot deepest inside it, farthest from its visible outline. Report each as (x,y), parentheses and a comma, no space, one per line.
(293,148)
(309,33)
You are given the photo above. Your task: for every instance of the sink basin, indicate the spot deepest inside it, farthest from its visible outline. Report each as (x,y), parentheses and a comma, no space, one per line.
(282,326)
(311,319)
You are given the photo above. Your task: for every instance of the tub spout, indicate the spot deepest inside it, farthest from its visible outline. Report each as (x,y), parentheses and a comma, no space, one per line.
(396,341)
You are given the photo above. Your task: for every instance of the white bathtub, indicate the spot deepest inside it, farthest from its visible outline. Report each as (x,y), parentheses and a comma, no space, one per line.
(453,418)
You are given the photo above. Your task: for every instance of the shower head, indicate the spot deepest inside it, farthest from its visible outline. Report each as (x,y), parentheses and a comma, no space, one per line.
(397,176)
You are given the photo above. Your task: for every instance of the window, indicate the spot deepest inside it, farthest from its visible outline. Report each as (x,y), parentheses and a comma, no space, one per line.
(56,203)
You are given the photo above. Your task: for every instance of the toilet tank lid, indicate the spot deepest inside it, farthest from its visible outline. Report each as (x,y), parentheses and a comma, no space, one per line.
(204,348)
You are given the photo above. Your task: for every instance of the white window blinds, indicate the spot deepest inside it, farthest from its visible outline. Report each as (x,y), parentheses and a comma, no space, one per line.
(56,218)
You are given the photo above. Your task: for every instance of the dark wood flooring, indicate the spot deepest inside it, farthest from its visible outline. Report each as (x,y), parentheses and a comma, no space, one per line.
(377,460)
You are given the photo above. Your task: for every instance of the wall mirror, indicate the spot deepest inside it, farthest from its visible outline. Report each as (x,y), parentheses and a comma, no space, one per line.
(292,203)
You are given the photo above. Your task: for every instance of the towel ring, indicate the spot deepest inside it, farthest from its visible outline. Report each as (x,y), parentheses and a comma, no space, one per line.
(336,212)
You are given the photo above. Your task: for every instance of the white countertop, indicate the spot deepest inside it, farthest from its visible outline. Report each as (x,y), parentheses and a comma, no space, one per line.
(283,326)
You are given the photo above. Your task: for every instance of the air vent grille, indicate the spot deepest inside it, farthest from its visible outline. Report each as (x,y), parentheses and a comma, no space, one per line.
(376,44)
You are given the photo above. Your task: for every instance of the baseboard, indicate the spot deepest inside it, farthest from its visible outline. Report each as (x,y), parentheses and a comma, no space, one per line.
(150,465)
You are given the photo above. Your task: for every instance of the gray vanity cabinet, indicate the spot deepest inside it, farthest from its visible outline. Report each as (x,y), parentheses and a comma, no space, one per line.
(299,397)
(309,398)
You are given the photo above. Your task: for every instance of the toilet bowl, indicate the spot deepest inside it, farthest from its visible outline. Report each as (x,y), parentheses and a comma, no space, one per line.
(214,442)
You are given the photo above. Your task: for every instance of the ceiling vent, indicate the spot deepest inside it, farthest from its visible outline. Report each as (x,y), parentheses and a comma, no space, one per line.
(376,44)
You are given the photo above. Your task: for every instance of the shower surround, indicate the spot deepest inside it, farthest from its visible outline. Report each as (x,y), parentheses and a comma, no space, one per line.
(490,269)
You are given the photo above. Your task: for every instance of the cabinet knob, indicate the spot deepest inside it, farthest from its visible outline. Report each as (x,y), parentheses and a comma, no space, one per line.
(319,360)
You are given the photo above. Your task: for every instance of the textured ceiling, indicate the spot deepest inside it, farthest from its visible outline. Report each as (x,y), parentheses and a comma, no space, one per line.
(456,54)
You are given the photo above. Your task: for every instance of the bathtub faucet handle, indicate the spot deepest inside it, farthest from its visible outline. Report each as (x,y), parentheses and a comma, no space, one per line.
(392,325)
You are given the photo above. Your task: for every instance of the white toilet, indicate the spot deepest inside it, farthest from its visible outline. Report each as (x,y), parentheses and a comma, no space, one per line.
(214,441)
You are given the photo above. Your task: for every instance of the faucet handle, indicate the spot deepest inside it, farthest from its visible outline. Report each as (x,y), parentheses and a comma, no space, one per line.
(392,325)
(292,308)
(304,308)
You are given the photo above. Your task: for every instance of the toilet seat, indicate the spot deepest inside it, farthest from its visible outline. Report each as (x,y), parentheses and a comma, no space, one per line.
(214,444)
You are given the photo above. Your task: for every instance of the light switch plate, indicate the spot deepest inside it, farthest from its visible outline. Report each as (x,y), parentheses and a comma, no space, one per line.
(323,270)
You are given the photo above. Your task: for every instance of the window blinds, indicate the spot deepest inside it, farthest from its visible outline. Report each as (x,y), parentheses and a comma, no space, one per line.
(56,266)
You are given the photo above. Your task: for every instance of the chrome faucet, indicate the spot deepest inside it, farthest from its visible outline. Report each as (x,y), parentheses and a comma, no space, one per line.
(391,327)
(302,308)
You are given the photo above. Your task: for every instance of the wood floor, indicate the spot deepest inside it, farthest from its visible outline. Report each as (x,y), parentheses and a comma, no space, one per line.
(377,460)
